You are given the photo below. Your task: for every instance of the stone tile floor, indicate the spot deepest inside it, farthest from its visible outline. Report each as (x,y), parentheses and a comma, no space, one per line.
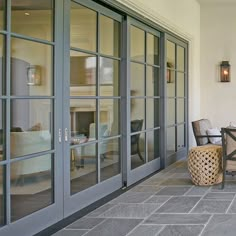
(166,204)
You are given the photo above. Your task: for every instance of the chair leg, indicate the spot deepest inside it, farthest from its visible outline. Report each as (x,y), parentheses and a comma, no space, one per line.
(223,177)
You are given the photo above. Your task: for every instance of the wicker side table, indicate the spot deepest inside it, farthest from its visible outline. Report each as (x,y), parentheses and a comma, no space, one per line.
(205,164)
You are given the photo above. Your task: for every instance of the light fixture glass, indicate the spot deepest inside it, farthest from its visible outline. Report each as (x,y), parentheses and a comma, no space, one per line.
(225,71)
(33,75)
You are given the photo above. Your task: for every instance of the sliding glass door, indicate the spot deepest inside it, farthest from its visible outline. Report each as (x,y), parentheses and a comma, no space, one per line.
(92,104)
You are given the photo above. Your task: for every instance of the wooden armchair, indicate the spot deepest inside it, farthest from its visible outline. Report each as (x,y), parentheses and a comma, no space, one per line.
(200,129)
(229,151)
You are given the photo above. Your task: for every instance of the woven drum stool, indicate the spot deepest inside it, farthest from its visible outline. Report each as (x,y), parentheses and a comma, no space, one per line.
(205,164)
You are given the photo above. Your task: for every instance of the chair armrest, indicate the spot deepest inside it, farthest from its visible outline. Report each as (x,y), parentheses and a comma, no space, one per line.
(208,136)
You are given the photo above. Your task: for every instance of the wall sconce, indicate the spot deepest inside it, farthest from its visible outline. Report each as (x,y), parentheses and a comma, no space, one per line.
(169,78)
(33,75)
(225,71)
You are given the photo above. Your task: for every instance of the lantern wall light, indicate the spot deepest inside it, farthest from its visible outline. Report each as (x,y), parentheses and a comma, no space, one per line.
(34,75)
(225,71)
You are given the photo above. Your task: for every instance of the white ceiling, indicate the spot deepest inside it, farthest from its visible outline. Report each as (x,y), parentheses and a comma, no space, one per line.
(216,1)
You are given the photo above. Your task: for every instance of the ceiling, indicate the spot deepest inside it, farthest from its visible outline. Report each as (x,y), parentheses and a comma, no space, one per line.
(216,1)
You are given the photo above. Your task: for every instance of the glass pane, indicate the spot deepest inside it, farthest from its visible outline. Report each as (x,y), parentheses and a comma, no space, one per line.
(109,77)
(170,111)
(137,150)
(170,141)
(2,196)
(180,137)
(83,119)
(2,14)
(137,110)
(109,36)
(31,68)
(152,113)
(170,86)
(109,117)
(153,145)
(152,49)
(82,74)
(33,18)
(180,58)
(109,158)
(2,67)
(152,81)
(180,110)
(31,126)
(31,185)
(137,44)
(83,167)
(137,79)
(83,27)
(2,132)
(170,54)
(180,84)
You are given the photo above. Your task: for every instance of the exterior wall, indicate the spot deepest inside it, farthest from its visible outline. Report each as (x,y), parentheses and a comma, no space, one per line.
(218,37)
(182,18)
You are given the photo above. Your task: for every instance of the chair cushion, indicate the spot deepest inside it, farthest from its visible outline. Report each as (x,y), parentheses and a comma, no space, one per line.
(214,131)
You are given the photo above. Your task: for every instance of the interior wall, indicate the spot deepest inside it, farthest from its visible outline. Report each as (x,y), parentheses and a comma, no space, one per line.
(218,37)
(182,18)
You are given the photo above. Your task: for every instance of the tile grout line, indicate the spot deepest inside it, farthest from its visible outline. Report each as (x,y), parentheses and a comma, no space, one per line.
(205,225)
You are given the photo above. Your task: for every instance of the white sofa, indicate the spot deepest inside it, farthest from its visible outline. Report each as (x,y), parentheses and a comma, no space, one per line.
(23,143)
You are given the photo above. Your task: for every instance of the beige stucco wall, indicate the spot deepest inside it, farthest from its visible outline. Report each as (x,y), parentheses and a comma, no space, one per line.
(183,18)
(218,37)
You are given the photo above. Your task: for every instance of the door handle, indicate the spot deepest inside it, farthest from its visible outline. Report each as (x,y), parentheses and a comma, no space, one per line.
(59,135)
(66,134)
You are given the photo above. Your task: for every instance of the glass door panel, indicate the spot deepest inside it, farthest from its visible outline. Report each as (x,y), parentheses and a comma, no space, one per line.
(31,185)
(83,27)
(2,196)
(109,33)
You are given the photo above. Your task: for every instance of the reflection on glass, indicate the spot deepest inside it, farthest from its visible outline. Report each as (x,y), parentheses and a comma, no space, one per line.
(31,186)
(110,77)
(152,49)
(137,79)
(170,111)
(180,58)
(31,121)
(137,150)
(2,14)
(170,86)
(152,81)
(82,72)
(153,145)
(32,18)
(137,109)
(109,36)
(109,158)
(2,196)
(39,55)
(152,111)
(180,110)
(83,118)
(83,27)
(2,74)
(170,140)
(180,136)
(109,117)
(137,44)
(83,168)
(2,132)
(170,54)
(180,84)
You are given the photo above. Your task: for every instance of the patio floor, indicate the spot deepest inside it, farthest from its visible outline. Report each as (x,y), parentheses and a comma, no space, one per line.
(166,204)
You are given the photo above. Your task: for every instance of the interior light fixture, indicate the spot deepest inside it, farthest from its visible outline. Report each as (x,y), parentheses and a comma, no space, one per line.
(225,71)
(34,75)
